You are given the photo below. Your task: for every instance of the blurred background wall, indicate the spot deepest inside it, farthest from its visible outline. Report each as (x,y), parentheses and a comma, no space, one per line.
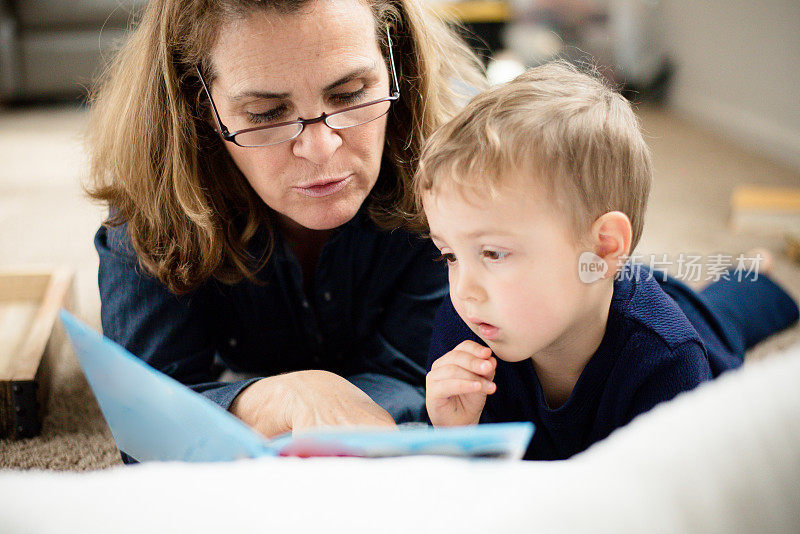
(53,49)
(738,70)
(732,66)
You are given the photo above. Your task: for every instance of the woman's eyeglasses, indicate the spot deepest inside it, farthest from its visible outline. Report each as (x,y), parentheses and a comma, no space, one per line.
(286,131)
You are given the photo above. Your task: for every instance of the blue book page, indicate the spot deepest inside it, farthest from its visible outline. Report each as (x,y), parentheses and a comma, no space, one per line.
(501,440)
(155,418)
(152,416)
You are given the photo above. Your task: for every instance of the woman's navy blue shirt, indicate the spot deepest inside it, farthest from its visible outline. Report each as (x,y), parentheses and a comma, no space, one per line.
(368,318)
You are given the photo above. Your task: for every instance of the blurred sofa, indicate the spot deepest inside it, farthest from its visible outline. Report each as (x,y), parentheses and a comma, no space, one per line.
(53,49)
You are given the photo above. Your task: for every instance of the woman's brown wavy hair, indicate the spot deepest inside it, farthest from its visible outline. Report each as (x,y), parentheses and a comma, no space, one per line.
(163,171)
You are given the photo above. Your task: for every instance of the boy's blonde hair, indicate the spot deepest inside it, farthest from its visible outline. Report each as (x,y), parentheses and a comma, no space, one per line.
(579,138)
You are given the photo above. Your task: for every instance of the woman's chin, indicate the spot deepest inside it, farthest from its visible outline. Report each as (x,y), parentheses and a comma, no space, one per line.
(327,217)
(329,211)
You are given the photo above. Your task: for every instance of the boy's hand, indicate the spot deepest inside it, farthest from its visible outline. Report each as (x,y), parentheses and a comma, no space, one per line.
(457,385)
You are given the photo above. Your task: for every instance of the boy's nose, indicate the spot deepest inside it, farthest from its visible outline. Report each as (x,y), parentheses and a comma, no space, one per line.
(317,143)
(467,287)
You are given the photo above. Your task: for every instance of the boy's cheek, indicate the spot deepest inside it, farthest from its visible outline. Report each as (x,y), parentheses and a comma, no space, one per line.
(460,311)
(508,351)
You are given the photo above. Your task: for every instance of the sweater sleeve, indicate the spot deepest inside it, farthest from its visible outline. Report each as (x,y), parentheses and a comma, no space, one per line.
(448,331)
(398,346)
(171,333)
(676,370)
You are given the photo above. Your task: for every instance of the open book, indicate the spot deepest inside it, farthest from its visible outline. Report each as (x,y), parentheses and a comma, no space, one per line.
(154,417)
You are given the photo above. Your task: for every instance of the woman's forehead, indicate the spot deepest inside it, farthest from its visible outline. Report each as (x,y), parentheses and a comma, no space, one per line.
(316,45)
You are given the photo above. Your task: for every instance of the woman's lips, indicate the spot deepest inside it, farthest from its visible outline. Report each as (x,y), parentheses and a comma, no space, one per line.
(325,188)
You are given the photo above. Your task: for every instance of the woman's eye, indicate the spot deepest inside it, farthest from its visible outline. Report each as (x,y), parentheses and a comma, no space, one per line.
(449,257)
(494,255)
(273,115)
(343,99)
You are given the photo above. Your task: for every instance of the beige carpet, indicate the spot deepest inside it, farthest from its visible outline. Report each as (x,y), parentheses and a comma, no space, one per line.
(44,219)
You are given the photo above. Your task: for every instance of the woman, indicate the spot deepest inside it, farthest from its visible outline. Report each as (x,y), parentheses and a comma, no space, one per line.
(241,236)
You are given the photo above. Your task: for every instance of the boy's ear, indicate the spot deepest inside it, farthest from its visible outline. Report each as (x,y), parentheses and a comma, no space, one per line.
(611,236)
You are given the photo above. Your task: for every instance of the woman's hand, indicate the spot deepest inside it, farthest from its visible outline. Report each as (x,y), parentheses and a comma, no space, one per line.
(457,385)
(306,399)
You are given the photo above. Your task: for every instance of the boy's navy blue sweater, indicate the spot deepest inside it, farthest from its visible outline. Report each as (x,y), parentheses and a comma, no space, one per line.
(650,352)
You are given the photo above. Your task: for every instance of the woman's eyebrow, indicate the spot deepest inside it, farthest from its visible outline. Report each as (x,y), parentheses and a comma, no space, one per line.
(350,76)
(260,95)
(265,95)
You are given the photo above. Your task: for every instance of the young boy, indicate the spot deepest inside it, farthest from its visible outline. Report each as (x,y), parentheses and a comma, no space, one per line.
(535,194)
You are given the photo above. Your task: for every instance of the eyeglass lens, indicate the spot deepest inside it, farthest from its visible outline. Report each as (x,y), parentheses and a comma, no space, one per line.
(338,121)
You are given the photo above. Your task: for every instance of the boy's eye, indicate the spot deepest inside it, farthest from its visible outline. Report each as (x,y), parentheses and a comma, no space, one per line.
(449,257)
(494,255)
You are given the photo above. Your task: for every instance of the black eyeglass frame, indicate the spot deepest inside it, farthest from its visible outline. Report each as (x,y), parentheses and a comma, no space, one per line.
(231,136)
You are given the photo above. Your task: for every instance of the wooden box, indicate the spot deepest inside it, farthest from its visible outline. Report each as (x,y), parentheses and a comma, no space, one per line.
(765,210)
(30,340)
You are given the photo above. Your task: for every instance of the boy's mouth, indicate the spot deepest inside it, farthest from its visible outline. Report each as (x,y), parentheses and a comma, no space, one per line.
(488,331)
(485,330)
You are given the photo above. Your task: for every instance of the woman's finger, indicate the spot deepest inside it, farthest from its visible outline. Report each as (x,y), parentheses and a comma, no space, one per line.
(320,398)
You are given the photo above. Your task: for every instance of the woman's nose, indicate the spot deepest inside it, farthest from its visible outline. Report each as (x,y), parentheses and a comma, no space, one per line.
(317,143)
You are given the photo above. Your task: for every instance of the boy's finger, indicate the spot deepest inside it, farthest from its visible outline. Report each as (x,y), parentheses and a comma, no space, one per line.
(442,389)
(492,361)
(468,361)
(444,372)
(474,348)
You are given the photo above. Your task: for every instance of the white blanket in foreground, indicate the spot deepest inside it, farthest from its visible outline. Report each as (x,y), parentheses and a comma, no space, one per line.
(724,458)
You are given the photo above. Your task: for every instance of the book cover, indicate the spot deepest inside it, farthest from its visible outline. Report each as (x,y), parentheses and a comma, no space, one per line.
(155,418)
